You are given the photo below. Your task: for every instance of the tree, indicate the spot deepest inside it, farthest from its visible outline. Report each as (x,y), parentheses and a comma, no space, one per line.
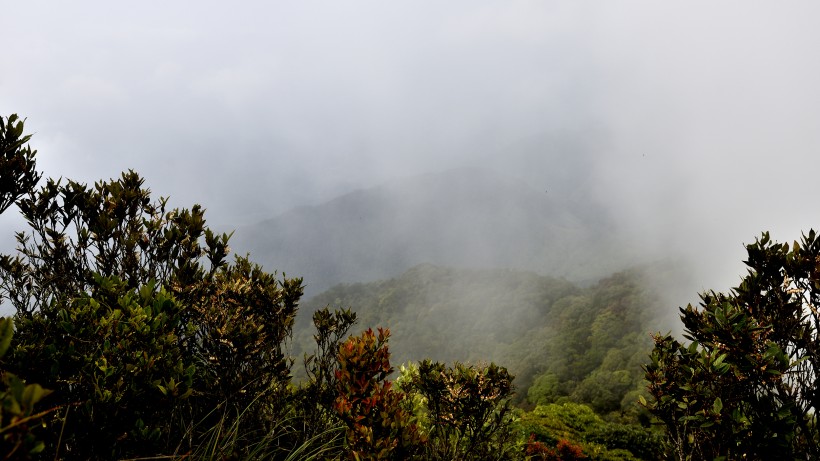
(18,417)
(130,312)
(747,384)
(17,163)
(467,413)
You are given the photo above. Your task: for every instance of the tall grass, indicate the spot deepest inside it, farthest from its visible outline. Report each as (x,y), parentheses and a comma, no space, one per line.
(283,441)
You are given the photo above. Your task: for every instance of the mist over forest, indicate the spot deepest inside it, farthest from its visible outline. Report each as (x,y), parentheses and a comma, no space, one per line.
(536,184)
(681,124)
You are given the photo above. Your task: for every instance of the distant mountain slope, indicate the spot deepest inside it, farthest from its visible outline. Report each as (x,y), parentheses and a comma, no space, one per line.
(462,218)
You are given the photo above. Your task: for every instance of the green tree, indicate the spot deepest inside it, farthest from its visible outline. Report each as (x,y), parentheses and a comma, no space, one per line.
(17,162)
(18,417)
(551,424)
(746,385)
(467,414)
(130,312)
(317,394)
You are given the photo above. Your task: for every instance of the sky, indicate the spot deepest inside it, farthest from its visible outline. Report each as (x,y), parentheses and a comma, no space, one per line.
(695,124)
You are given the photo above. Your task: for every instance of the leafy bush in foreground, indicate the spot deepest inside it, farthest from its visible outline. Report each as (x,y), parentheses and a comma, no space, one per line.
(746,385)
(378,427)
(18,420)
(132,315)
(466,410)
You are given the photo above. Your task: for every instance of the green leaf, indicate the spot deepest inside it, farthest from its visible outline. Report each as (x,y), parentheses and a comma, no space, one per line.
(717,407)
(6,332)
(32,394)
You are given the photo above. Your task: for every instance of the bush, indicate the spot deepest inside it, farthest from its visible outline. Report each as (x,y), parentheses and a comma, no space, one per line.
(114,361)
(378,428)
(131,314)
(18,420)
(746,385)
(468,413)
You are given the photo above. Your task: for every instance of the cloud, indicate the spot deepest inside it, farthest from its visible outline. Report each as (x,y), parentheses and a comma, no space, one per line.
(693,124)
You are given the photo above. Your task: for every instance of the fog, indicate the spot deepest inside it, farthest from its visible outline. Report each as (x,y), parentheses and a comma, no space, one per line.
(692,125)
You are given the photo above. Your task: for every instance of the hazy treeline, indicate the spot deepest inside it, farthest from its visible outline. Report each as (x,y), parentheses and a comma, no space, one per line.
(563,342)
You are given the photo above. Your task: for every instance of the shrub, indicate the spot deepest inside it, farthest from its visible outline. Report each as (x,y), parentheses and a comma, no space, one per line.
(130,312)
(18,420)
(378,427)
(468,410)
(113,357)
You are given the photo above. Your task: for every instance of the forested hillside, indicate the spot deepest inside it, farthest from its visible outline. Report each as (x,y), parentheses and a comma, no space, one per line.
(563,342)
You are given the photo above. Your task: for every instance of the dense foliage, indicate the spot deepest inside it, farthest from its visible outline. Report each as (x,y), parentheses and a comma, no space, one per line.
(378,427)
(465,410)
(17,162)
(563,342)
(130,313)
(18,417)
(746,385)
(134,337)
(572,424)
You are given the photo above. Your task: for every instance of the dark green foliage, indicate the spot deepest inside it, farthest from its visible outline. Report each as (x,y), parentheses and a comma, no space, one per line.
(17,163)
(638,441)
(114,360)
(18,417)
(111,229)
(600,343)
(746,385)
(121,302)
(241,317)
(467,410)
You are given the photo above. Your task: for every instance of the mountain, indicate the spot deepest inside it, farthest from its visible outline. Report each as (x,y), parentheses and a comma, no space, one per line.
(462,218)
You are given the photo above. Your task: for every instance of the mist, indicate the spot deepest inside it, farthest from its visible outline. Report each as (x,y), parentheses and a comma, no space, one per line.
(692,126)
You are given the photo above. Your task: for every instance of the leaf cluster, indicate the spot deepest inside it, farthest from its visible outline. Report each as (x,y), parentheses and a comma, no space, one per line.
(17,162)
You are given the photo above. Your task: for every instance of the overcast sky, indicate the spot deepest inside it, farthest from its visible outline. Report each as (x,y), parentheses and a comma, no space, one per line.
(696,123)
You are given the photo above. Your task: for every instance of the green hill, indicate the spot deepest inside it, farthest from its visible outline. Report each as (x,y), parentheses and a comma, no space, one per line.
(563,342)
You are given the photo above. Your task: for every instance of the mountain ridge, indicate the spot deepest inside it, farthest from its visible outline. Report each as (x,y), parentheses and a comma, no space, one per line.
(461,218)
